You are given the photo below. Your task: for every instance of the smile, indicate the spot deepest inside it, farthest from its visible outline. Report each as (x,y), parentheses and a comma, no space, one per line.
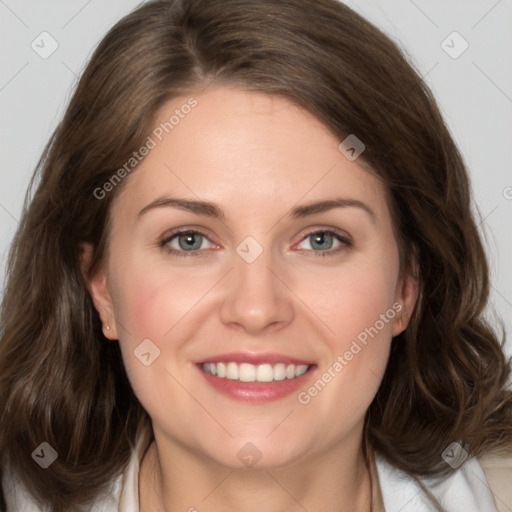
(246,372)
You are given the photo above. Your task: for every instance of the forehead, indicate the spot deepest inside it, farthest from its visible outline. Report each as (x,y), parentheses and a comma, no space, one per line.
(246,150)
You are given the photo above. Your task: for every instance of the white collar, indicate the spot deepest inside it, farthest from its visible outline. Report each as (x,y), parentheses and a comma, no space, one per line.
(465,489)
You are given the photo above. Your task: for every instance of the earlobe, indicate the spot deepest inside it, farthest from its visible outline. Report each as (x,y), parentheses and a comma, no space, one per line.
(98,289)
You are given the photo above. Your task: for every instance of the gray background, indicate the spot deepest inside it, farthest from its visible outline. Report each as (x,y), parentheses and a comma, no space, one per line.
(474,92)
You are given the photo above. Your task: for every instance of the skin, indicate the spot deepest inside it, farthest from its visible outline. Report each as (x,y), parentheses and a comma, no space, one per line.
(256,157)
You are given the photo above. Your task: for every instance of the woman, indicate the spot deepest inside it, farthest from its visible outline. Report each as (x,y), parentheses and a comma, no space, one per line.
(175,333)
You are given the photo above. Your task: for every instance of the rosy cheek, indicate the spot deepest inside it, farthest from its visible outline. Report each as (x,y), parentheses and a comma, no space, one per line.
(135,303)
(147,308)
(155,299)
(357,300)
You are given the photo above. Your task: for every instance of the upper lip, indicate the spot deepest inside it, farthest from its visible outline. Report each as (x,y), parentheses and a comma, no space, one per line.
(254,358)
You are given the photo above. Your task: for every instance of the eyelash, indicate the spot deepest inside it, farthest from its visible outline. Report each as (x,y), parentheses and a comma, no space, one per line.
(345,243)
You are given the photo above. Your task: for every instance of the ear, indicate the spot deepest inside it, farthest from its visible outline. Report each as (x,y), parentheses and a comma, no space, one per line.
(406,294)
(97,286)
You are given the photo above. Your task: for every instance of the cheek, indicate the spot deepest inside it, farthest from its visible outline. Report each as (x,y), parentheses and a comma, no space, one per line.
(358,305)
(163,303)
(153,299)
(369,310)
(156,304)
(352,297)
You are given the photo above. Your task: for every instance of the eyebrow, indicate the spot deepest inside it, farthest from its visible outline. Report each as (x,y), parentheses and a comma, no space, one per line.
(209,209)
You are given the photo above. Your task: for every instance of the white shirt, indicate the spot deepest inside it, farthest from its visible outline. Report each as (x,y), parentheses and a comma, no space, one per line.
(464,490)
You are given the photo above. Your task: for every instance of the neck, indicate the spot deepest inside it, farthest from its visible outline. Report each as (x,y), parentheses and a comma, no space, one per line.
(175,479)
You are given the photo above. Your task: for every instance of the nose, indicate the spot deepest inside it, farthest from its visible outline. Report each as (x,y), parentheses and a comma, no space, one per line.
(257,298)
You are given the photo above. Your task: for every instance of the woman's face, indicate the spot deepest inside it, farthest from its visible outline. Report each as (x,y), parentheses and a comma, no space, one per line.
(268,283)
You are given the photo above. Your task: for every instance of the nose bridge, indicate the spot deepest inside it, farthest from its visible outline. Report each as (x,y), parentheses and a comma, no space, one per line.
(257,298)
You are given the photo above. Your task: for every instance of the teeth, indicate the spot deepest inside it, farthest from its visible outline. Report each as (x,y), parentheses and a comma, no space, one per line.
(221,369)
(265,373)
(279,371)
(232,371)
(246,372)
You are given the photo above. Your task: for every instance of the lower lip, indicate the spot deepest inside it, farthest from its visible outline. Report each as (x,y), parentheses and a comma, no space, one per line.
(256,391)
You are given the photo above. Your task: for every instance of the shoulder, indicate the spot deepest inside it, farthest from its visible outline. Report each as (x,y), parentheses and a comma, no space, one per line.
(122,494)
(466,488)
(497,467)
(16,495)
(18,498)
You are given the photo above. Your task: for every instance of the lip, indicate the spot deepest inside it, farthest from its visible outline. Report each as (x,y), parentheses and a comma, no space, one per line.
(256,392)
(254,358)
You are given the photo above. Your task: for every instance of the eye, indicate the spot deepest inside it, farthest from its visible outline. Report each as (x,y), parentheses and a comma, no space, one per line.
(322,241)
(192,243)
(185,243)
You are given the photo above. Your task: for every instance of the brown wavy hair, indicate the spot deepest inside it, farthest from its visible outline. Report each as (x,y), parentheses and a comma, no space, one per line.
(63,382)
